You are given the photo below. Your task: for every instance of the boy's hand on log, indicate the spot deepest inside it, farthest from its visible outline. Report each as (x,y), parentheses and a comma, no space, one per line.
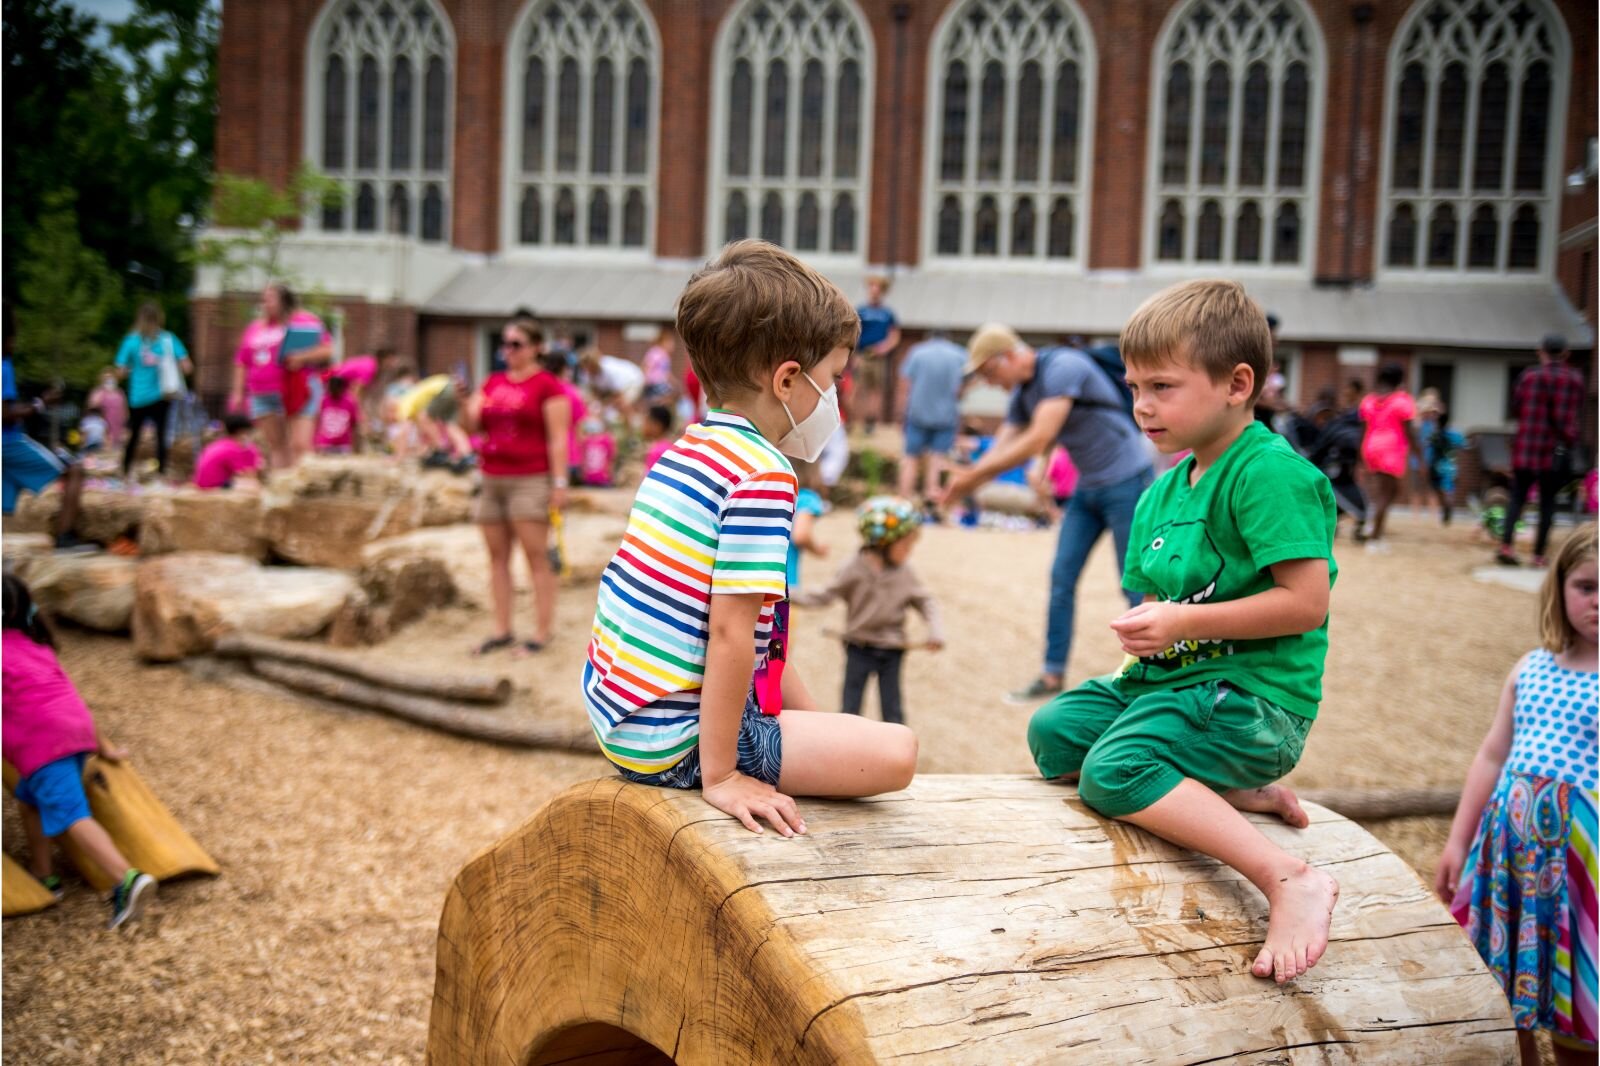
(1149,629)
(746,798)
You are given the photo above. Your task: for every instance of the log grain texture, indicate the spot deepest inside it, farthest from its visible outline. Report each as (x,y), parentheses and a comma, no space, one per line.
(970,919)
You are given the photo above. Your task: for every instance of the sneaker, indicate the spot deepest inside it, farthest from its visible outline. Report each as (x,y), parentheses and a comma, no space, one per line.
(52,885)
(129,898)
(1507,557)
(1377,547)
(1540,563)
(1036,693)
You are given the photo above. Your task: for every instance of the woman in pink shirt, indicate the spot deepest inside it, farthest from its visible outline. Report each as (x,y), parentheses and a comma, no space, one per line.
(523,416)
(266,376)
(48,737)
(1389,413)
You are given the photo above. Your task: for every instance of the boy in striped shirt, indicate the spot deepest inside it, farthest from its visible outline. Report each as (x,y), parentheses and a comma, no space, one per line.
(691,606)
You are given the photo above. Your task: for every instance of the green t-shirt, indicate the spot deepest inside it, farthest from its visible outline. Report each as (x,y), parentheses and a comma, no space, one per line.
(1259,504)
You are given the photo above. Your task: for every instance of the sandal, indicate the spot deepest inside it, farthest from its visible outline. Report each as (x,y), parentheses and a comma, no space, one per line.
(529,647)
(494,644)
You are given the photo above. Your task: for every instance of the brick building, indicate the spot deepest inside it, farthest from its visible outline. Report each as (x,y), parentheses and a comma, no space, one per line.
(1402,180)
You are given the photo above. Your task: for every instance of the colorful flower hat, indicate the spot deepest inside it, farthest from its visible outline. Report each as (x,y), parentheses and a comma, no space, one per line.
(885,519)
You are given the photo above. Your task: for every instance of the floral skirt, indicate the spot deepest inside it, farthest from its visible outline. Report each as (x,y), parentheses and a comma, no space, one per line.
(1527,901)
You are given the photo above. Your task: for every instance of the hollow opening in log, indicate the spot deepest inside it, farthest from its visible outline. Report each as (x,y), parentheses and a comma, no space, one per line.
(598,1044)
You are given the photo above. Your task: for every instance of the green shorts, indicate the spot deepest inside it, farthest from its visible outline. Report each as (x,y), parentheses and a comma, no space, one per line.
(1132,750)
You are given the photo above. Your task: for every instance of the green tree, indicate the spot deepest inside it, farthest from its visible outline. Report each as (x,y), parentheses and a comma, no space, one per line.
(68,298)
(128,126)
(252,218)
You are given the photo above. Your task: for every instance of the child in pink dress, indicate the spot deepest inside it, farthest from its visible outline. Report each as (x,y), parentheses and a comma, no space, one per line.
(597,448)
(339,420)
(48,737)
(1390,414)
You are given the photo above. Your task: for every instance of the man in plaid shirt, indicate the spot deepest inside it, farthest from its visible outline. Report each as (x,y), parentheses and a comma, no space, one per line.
(1549,398)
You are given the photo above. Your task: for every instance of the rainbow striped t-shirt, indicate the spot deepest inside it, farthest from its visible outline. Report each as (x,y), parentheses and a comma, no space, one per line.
(714,515)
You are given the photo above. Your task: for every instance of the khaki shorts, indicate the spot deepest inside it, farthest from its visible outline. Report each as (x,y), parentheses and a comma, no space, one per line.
(513,499)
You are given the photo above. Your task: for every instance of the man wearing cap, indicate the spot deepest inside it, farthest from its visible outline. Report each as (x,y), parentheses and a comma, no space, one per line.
(1061,396)
(1549,400)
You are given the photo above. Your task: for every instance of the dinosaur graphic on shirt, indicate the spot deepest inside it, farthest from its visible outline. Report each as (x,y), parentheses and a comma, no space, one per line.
(1182,555)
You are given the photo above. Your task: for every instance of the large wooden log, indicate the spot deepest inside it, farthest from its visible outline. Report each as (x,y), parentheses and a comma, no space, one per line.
(967,920)
(475,722)
(139,824)
(472,688)
(21,891)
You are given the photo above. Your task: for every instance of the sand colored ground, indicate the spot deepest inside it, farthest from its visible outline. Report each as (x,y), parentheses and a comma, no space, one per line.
(339,832)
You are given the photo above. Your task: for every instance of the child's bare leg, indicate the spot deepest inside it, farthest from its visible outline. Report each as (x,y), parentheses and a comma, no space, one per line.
(1276,798)
(1300,896)
(91,836)
(39,861)
(828,754)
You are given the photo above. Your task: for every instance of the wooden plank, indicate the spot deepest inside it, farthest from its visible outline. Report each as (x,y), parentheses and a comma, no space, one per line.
(967,920)
(23,893)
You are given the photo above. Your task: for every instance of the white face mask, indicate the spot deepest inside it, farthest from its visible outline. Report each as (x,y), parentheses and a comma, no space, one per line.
(806,439)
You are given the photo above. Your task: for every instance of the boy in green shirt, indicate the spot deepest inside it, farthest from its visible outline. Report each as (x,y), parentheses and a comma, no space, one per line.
(1233,549)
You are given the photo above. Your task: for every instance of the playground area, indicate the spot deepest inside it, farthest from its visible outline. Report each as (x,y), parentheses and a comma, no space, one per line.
(340,831)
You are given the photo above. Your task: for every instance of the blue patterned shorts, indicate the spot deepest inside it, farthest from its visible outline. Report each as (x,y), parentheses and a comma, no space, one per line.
(760,755)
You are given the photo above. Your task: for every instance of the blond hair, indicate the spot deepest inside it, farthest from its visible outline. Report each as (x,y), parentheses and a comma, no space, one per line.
(1211,322)
(754,307)
(1555,629)
(881,280)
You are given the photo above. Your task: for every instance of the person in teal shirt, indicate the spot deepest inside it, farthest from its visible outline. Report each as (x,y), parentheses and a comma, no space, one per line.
(1232,550)
(139,364)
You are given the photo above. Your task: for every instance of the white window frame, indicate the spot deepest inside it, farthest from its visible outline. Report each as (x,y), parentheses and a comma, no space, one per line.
(1466,200)
(790,186)
(416,178)
(582,181)
(1006,190)
(1229,195)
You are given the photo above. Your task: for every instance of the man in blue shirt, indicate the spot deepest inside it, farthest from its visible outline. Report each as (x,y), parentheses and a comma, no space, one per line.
(1061,396)
(933,410)
(880,336)
(27,464)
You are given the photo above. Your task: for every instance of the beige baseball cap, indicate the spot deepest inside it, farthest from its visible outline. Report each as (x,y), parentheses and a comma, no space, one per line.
(989,341)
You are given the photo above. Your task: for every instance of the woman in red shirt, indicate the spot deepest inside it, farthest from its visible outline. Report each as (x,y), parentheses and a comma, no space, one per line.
(522,414)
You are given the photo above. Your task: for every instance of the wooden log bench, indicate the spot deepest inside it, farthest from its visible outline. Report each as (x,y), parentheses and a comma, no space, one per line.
(971,919)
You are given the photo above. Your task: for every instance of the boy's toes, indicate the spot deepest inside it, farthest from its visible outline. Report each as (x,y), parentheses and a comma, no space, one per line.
(1262,967)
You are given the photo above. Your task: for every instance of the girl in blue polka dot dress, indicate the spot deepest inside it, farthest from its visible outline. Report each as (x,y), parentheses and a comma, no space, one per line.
(1519,870)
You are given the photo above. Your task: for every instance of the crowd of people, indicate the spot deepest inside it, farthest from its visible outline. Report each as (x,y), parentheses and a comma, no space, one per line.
(1222,501)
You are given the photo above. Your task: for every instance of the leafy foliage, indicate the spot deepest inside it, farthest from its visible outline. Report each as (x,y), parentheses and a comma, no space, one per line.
(67,294)
(113,132)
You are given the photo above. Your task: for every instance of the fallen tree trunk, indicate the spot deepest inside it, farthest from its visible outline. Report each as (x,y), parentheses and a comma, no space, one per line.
(448,717)
(471,688)
(1359,803)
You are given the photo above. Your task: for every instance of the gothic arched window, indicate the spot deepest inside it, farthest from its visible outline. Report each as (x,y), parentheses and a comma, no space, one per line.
(581,104)
(378,121)
(793,118)
(1009,126)
(1471,149)
(1237,134)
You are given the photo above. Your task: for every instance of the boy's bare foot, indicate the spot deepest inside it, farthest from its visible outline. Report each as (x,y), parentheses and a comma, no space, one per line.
(1269,799)
(1297,931)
